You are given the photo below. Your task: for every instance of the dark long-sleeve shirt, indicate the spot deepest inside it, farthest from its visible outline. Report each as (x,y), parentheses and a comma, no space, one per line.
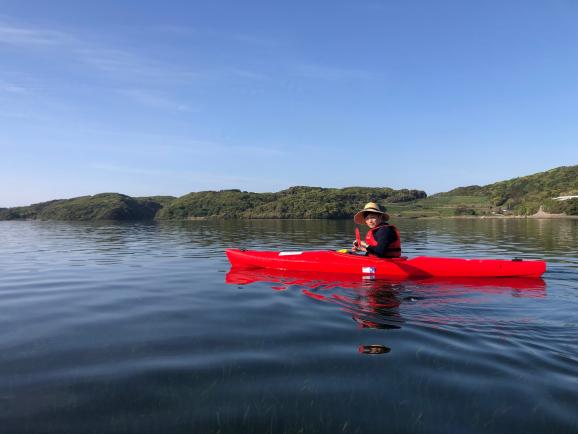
(384,236)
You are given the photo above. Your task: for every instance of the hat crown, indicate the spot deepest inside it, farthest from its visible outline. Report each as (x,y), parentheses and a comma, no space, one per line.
(371,206)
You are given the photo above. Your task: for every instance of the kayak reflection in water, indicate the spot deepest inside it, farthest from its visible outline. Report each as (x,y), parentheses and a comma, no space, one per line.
(382,239)
(374,303)
(376,306)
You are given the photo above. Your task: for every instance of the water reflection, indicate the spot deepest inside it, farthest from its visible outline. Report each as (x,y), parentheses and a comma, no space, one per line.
(376,303)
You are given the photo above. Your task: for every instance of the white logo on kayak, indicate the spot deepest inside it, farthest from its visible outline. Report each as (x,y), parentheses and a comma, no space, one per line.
(368,270)
(289,253)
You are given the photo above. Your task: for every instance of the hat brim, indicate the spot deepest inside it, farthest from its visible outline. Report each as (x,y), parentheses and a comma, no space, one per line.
(359,218)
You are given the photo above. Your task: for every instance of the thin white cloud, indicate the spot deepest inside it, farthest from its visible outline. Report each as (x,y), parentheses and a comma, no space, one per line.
(8,87)
(22,36)
(176,30)
(108,167)
(210,148)
(245,39)
(244,73)
(330,73)
(152,143)
(207,178)
(114,62)
(369,6)
(248,39)
(125,65)
(256,150)
(154,100)
(20,115)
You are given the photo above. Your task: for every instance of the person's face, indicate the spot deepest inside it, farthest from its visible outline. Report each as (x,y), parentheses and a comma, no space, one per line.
(372,219)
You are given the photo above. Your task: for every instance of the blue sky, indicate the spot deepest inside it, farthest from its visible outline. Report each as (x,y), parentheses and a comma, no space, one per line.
(148,98)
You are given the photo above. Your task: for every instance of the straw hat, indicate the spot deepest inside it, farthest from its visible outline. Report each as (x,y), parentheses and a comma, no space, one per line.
(359,218)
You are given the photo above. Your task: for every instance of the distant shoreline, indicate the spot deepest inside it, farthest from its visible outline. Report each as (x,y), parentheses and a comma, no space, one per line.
(499,217)
(215,218)
(533,196)
(492,217)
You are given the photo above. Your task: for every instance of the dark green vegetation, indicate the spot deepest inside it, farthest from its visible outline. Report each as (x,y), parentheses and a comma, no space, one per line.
(105,206)
(525,195)
(295,202)
(518,196)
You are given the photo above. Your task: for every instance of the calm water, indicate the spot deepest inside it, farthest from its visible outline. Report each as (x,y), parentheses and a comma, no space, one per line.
(141,328)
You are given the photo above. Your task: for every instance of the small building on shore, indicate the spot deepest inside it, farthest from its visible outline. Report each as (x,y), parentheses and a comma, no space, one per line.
(566,197)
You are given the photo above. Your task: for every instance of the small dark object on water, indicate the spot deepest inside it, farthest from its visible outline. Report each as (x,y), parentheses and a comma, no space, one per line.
(373,349)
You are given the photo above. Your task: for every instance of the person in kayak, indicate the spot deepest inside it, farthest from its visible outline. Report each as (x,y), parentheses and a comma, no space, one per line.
(382,239)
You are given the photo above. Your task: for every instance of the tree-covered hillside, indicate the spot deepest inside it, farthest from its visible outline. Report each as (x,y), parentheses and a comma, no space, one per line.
(295,202)
(334,203)
(105,206)
(223,204)
(526,194)
(522,196)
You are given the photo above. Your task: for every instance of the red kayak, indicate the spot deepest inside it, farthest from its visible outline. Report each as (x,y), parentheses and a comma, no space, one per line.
(397,268)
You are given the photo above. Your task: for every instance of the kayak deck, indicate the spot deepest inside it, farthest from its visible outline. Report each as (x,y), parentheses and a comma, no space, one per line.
(421,266)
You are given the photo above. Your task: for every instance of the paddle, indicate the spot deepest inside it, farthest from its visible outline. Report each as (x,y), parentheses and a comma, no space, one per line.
(357,239)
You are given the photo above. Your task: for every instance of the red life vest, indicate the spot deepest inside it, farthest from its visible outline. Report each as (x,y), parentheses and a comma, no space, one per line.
(393,249)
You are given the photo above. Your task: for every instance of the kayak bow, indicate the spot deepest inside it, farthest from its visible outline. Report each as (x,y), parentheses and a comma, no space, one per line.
(421,266)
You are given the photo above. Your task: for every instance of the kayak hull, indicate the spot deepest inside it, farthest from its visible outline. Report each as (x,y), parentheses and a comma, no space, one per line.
(397,268)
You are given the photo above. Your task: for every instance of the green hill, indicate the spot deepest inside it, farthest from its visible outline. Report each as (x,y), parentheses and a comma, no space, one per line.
(523,195)
(517,196)
(333,203)
(295,202)
(105,206)
(223,204)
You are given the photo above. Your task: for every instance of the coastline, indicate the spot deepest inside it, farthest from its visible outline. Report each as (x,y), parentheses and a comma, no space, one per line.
(543,215)
(538,216)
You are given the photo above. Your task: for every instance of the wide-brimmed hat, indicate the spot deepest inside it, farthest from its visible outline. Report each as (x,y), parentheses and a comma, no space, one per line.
(359,218)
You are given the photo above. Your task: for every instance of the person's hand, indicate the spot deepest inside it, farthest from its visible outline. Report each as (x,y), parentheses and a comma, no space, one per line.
(355,246)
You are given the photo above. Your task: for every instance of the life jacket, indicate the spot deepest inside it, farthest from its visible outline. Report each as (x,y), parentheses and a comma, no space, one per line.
(394,248)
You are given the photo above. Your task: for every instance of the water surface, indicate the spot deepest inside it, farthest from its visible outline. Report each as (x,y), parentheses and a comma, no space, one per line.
(111,327)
